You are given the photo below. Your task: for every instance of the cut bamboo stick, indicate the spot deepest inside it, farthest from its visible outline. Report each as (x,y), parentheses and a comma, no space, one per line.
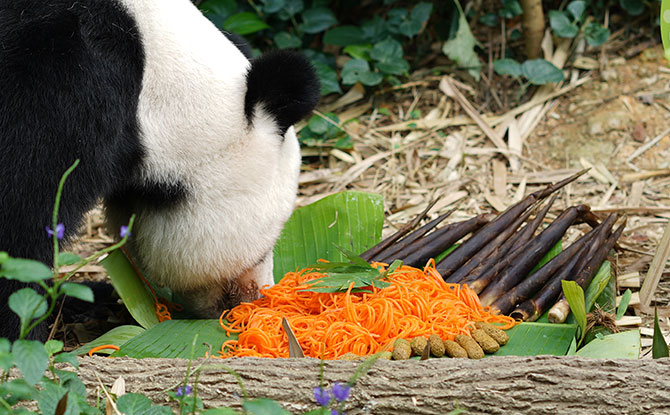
(535,250)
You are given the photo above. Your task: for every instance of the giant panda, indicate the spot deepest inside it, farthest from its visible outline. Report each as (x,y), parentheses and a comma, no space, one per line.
(171,120)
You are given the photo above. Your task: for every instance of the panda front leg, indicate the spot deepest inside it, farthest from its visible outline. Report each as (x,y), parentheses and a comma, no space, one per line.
(211,300)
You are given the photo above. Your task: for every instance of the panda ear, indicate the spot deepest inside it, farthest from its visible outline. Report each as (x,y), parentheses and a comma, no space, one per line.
(285,85)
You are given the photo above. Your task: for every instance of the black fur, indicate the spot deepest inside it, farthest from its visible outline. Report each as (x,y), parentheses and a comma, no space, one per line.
(286,86)
(70,77)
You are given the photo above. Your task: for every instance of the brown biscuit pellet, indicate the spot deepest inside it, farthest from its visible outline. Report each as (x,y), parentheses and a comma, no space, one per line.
(497,334)
(436,345)
(488,344)
(401,350)
(454,349)
(349,356)
(385,355)
(418,345)
(471,347)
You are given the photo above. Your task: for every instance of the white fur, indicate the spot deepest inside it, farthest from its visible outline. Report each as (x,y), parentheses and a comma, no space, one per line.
(241,180)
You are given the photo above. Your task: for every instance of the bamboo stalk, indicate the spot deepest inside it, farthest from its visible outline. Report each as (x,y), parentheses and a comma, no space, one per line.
(533,27)
(419,252)
(393,250)
(531,310)
(461,254)
(537,280)
(559,312)
(499,256)
(375,250)
(534,251)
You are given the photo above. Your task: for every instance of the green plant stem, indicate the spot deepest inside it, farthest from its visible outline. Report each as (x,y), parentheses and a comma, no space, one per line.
(51,292)
(98,254)
(54,219)
(6,405)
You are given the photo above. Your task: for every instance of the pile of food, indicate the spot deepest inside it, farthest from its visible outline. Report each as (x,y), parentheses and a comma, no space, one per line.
(416,303)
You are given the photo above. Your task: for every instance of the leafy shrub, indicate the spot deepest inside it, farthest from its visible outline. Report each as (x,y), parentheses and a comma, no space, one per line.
(375,45)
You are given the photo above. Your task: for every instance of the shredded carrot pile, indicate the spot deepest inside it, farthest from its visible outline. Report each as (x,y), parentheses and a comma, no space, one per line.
(328,325)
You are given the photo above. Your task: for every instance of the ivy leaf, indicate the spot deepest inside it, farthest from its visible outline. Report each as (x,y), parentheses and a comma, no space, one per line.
(389,56)
(415,20)
(273,6)
(358,70)
(540,72)
(359,51)
(632,7)
(53,346)
(577,9)
(344,36)
(70,358)
(317,20)
(561,25)
(78,291)
(24,270)
(461,48)
(508,67)
(510,9)
(328,78)
(489,19)
(596,34)
(286,40)
(31,359)
(244,23)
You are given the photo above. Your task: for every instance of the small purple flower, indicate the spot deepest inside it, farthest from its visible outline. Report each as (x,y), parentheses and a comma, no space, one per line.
(60,231)
(341,391)
(181,391)
(124,231)
(321,396)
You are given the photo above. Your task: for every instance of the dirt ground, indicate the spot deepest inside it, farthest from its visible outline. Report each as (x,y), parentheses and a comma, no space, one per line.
(413,143)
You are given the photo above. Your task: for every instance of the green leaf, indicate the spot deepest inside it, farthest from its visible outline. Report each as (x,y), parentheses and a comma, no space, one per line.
(263,407)
(532,339)
(70,358)
(624,345)
(489,19)
(6,358)
(17,390)
(598,285)
(358,70)
(273,6)
(659,347)
(328,78)
(561,25)
(53,346)
(576,9)
(222,8)
(359,51)
(396,67)
(161,341)
(27,304)
(632,7)
(25,270)
(350,219)
(596,34)
(318,124)
(575,296)
(412,24)
(68,258)
(286,40)
(244,23)
(623,305)
(507,67)
(133,404)
(317,20)
(220,411)
(31,359)
(540,72)
(293,7)
(344,36)
(461,48)
(78,291)
(388,54)
(510,9)
(131,289)
(116,336)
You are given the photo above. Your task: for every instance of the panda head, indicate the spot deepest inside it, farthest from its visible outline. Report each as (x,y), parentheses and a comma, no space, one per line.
(220,159)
